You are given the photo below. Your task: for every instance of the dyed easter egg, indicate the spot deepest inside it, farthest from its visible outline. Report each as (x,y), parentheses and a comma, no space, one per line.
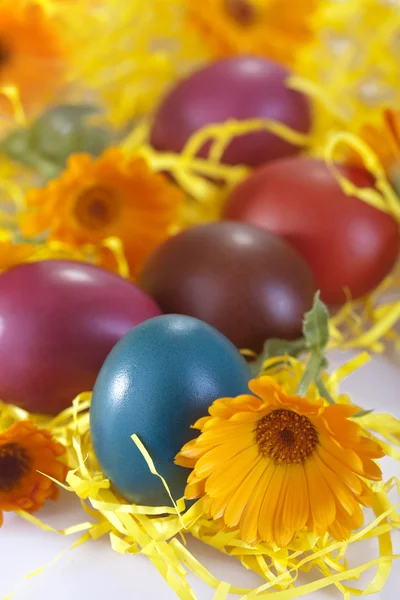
(240,88)
(156,382)
(347,243)
(248,284)
(58,321)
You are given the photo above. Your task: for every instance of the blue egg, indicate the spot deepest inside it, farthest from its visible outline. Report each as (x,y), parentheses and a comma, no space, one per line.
(156,382)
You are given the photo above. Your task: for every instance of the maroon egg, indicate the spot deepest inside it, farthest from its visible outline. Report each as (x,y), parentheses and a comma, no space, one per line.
(248,284)
(58,322)
(239,88)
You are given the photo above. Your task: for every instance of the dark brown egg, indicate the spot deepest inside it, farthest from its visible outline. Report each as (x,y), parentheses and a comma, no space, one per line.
(249,284)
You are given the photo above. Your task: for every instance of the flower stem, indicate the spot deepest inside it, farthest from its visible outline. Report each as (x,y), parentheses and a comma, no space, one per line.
(311,373)
(323,390)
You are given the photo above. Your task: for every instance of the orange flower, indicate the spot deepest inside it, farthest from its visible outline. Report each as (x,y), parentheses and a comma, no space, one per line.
(13,254)
(384,140)
(273,464)
(31,53)
(25,450)
(271,28)
(113,195)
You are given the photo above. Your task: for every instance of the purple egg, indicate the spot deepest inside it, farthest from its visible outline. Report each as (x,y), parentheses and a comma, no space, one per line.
(235,88)
(58,322)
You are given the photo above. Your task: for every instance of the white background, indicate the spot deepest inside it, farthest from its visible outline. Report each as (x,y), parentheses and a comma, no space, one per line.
(94,572)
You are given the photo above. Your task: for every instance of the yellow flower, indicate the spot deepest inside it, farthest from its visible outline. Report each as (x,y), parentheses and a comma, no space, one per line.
(112,196)
(32,54)
(271,28)
(271,464)
(25,450)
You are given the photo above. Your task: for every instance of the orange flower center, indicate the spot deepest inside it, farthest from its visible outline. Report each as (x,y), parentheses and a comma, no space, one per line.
(97,208)
(241,11)
(286,437)
(14,463)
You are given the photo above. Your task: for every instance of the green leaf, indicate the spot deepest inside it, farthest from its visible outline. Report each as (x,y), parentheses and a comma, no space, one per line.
(17,145)
(94,140)
(362,413)
(316,326)
(67,114)
(57,133)
(278,347)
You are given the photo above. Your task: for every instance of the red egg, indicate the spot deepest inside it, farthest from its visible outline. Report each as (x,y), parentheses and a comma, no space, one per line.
(234,88)
(58,322)
(346,242)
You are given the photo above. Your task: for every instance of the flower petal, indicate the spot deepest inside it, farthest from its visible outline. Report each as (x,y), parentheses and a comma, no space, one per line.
(229,474)
(267,521)
(222,454)
(339,490)
(240,498)
(371,469)
(345,474)
(322,504)
(345,456)
(250,518)
(296,507)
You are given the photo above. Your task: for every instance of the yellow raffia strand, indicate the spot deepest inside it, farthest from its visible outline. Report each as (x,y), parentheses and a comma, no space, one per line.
(12,94)
(12,196)
(160,532)
(354,58)
(222,135)
(367,323)
(383,197)
(51,250)
(196,175)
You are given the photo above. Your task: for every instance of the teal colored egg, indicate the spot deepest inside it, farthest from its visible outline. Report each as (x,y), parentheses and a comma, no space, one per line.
(156,382)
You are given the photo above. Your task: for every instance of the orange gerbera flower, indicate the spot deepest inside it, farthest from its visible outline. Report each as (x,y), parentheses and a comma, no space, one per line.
(272,464)
(25,450)
(32,54)
(113,195)
(271,28)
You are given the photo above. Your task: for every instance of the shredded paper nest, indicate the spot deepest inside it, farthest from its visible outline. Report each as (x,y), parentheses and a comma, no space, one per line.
(160,533)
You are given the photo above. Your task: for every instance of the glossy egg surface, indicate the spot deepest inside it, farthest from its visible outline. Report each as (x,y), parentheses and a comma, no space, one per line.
(158,381)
